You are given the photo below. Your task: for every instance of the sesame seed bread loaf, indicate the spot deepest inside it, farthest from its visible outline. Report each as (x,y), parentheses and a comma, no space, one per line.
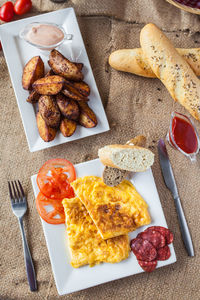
(126,157)
(171,68)
(133,61)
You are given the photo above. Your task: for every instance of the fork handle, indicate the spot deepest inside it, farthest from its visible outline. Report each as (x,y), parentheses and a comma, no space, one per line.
(28,260)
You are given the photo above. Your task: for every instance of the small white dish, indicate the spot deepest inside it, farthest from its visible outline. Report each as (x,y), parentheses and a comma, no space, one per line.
(23,35)
(67,278)
(18,52)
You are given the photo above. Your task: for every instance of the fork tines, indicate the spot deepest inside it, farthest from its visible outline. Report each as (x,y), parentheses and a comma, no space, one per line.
(16,191)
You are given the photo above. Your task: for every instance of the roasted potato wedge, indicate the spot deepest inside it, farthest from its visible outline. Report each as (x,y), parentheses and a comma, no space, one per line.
(50,85)
(67,127)
(33,70)
(68,107)
(70,91)
(64,67)
(87,117)
(79,65)
(82,87)
(49,110)
(46,133)
(33,97)
(50,73)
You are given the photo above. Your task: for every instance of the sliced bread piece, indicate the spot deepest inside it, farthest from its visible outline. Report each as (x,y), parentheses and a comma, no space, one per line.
(126,157)
(114,176)
(139,140)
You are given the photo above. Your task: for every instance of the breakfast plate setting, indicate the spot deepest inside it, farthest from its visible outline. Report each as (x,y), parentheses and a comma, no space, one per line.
(102,218)
(69,279)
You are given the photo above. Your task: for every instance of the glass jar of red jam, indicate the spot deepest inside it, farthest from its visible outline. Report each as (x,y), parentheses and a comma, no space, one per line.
(182,135)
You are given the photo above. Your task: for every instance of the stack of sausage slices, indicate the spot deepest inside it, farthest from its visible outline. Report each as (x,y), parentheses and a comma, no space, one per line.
(61,94)
(151,245)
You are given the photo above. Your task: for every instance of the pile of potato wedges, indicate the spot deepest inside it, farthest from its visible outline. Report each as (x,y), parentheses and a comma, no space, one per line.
(61,94)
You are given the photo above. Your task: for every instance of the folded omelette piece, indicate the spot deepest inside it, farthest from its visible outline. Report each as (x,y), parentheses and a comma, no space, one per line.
(114,210)
(85,243)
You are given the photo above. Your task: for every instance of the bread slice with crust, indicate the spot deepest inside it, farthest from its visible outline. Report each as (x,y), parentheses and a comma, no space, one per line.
(114,176)
(126,157)
(139,140)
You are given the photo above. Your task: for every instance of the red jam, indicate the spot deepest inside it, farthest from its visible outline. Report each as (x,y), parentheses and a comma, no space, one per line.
(191,3)
(184,135)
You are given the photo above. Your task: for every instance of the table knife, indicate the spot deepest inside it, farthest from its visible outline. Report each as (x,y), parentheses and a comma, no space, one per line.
(171,185)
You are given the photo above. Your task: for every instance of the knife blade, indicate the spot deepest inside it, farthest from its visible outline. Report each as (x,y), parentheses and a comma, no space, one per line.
(170,182)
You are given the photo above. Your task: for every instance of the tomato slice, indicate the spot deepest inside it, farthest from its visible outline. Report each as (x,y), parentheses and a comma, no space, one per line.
(54,179)
(41,204)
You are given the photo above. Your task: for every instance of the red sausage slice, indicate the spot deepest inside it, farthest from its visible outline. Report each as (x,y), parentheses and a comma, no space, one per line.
(164,231)
(143,249)
(163,253)
(154,237)
(148,266)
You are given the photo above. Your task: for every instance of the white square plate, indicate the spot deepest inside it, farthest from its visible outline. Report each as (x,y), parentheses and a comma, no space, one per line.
(68,279)
(17,53)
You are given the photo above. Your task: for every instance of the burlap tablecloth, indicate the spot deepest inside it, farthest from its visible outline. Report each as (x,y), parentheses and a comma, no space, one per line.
(133,105)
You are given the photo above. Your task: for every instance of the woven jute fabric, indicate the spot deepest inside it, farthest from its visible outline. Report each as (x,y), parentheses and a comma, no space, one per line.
(134,105)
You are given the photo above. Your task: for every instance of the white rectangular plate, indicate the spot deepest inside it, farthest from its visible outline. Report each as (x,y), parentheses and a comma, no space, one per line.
(68,279)
(17,53)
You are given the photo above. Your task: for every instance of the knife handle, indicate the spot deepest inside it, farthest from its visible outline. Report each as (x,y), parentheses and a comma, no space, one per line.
(184,228)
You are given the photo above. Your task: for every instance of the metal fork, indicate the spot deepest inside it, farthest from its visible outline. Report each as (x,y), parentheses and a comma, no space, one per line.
(19,208)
